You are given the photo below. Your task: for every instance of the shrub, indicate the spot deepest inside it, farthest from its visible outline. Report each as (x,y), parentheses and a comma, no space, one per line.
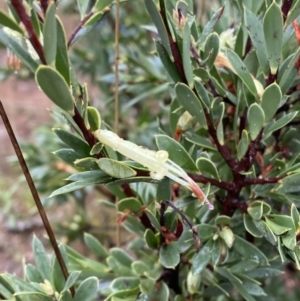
(231,127)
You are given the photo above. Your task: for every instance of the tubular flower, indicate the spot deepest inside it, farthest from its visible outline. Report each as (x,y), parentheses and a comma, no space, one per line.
(157,162)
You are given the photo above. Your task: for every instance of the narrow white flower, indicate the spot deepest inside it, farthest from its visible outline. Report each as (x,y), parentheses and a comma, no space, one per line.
(158,162)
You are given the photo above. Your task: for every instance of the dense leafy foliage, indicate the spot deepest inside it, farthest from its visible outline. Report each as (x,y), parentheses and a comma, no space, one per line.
(229,121)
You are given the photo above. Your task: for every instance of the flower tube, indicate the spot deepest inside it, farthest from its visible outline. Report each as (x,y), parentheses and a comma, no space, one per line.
(157,162)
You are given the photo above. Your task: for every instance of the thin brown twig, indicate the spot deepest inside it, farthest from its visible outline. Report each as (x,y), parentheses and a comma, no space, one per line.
(35,195)
(78,27)
(116,123)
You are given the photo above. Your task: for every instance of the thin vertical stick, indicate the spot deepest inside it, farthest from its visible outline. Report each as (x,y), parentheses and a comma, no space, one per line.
(116,124)
(34,193)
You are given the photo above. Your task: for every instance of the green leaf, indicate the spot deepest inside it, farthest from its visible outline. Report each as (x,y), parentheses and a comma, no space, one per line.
(124,283)
(202,258)
(159,23)
(211,49)
(264,272)
(82,6)
(280,223)
(207,168)
(50,34)
(167,62)
(73,141)
(289,72)
(255,120)
(7,21)
(94,19)
(71,279)
(132,204)
(169,255)
(87,175)
(115,168)
(270,101)
(121,256)
(202,94)
(87,289)
(242,71)
(289,240)
(250,226)
(68,155)
(290,184)
(243,145)
(280,123)
(206,231)
(150,239)
(75,186)
(95,245)
(294,12)
(18,50)
(62,62)
(163,190)
(147,286)
(249,251)
(227,235)
(243,266)
(210,25)
(55,87)
(176,152)
(273,31)
(88,164)
(94,118)
(101,4)
(41,259)
(266,231)
(220,130)
(154,221)
(236,282)
(199,140)
(32,274)
(295,216)
(186,55)
(256,210)
(188,99)
(256,33)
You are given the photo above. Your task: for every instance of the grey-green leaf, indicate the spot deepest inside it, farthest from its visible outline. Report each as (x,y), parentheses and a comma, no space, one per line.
(158,21)
(207,168)
(176,152)
(202,258)
(271,100)
(55,87)
(95,245)
(169,255)
(18,50)
(62,62)
(243,144)
(249,251)
(211,49)
(273,32)
(41,259)
(186,56)
(115,168)
(294,12)
(87,289)
(191,103)
(256,33)
(73,141)
(50,34)
(7,21)
(255,120)
(241,70)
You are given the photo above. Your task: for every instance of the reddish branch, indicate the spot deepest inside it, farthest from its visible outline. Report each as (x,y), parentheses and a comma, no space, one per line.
(78,27)
(33,38)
